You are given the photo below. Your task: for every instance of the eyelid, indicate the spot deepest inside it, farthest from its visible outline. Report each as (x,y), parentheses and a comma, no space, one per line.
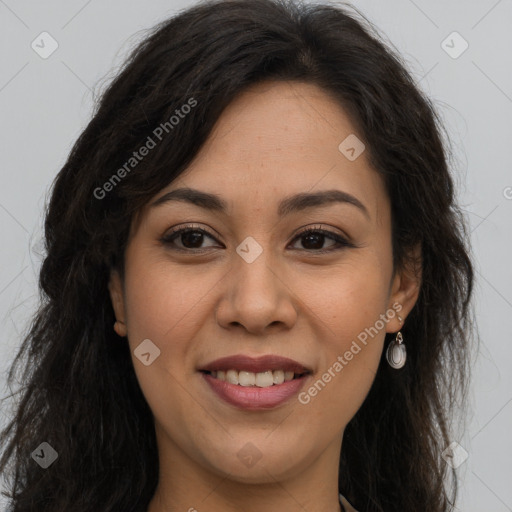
(166,238)
(322,229)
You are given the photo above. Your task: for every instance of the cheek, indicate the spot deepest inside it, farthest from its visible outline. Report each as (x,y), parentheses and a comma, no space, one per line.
(167,307)
(164,301)
(346,299)
(347,310)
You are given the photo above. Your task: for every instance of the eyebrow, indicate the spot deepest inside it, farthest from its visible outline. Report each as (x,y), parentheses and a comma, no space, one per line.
(287,206)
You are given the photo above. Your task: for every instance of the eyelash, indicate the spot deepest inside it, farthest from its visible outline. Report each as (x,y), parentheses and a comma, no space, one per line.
(341,242)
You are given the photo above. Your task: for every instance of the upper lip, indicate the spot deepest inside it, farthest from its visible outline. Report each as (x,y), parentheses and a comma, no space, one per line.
(256,364)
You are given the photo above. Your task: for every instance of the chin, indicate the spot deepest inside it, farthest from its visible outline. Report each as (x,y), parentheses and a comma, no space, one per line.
(252,465)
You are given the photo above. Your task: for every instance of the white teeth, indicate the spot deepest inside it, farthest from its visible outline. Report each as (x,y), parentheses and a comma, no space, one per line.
(246,379)
(250,379)
(232,376)
(265,379)
(278,376)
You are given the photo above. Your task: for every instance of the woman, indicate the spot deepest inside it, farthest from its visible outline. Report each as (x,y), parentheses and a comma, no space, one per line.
(256,294)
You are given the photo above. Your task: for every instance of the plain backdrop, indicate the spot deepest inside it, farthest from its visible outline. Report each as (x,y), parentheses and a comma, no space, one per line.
(45,103)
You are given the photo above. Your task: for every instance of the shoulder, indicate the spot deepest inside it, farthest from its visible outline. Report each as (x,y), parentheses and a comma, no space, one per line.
(347,505)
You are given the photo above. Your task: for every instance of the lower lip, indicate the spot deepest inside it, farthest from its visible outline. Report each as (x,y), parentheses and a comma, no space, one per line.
(254,398)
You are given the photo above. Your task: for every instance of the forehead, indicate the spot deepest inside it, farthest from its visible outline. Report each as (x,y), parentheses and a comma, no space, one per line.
(279,139)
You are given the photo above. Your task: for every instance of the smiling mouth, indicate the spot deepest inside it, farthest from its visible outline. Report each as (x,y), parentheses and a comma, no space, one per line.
(250,379)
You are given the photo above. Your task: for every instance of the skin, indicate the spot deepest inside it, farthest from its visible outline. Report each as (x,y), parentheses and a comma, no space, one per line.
(276,139)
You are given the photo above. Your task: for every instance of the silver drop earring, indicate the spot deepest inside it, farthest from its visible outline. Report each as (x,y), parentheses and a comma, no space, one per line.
(396,354)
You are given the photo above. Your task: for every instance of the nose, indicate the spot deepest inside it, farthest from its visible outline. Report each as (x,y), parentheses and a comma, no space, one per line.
(257,296)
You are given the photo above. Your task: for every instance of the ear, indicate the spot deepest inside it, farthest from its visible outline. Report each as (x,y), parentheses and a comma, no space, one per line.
(115,288)
(405,288)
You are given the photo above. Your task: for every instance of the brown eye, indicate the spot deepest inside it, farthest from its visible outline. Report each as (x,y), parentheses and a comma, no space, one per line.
(314,239)
(189,238)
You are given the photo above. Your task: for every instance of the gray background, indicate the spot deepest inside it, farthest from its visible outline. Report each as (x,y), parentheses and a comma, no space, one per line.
(45,103)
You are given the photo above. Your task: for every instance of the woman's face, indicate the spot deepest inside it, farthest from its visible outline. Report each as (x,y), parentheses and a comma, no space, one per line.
(253,285)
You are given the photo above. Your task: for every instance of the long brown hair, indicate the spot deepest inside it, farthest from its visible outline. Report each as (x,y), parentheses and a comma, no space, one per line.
(80,392)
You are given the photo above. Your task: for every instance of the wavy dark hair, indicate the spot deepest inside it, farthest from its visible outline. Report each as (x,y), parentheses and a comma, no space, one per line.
(79,390)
